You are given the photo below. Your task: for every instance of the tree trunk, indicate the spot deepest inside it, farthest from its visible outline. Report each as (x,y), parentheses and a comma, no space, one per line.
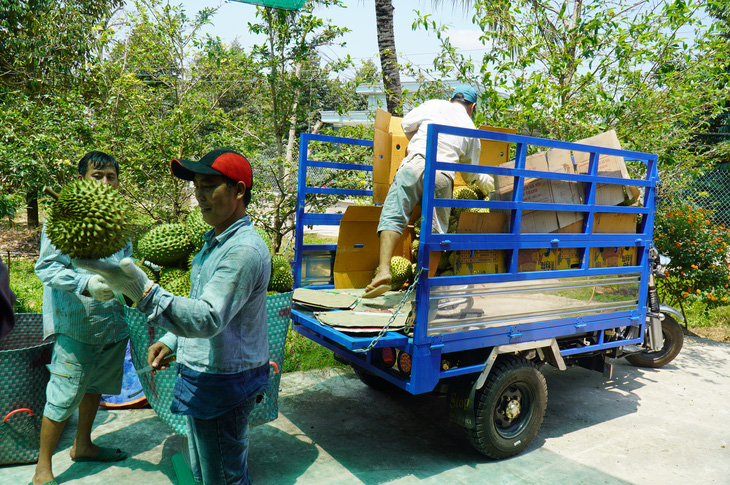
(388,56)
(31,201)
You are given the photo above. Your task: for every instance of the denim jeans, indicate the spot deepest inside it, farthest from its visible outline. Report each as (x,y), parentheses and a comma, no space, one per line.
(219,447)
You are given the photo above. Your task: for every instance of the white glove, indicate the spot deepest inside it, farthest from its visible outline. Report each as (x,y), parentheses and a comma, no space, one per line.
(97,288)
(125,278)
(485,182)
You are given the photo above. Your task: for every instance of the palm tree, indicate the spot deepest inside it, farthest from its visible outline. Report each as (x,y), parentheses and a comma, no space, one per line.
(388,56)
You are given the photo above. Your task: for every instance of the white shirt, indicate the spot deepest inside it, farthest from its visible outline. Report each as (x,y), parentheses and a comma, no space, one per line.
(451,148)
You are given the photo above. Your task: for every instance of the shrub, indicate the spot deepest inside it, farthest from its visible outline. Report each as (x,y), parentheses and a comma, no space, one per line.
(698,248)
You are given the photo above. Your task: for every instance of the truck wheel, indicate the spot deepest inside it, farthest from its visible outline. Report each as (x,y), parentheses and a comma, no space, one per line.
(672,344)
(509,408)
(373,381)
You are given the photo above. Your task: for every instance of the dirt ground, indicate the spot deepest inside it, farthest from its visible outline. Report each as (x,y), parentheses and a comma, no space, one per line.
(23,241)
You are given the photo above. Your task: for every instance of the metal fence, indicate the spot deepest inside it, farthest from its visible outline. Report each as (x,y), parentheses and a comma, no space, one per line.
(711,192)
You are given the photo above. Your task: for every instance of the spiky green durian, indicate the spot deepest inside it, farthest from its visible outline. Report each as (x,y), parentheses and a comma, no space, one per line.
(475,188)
(401,271)
(147,270)
(463,193)
(166,244)
(265,236)
(197,227)
(88,220)
(444,262)
(180,286)
(282,277)
(168,275)
(414,248)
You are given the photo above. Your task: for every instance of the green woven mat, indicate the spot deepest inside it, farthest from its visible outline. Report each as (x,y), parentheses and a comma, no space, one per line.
(23,379)
(158,388)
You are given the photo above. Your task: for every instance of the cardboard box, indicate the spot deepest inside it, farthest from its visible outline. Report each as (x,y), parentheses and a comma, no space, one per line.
(482,261)
(565,192)
(389,149)
(358,247)
(491,152)
(607,223)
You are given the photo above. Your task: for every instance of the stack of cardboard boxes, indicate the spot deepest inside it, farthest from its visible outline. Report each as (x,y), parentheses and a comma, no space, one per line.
(358,245)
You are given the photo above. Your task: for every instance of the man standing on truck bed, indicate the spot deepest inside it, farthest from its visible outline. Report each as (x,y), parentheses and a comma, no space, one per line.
(406,192)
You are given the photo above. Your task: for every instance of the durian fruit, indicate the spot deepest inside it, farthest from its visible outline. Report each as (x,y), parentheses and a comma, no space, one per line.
(414,248)
(265,236)
(282,277)
(88,220)
(191,256)
(453,224)
(463,193)
(417,227)
(480,195)
(168,275)
(147,270)
(166,244)
(197,227)
(400,272)
(180,286)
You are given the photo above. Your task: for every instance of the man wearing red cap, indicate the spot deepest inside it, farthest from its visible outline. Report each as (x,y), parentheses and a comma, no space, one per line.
(219,333)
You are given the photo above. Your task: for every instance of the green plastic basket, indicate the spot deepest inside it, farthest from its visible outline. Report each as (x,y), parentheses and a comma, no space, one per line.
(23,379)
(158,388)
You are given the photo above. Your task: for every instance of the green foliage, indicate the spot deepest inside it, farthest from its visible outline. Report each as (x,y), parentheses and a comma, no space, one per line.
(301,354)
(25,284)
(699,267)
(567,70)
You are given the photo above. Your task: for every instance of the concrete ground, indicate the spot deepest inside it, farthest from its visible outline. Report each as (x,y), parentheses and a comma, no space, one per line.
(645,426)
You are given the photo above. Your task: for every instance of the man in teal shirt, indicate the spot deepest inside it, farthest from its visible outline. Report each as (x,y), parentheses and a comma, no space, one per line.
(90,339)
(219,333)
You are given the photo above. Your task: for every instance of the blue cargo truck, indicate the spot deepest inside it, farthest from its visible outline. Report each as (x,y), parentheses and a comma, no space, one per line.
(555,282)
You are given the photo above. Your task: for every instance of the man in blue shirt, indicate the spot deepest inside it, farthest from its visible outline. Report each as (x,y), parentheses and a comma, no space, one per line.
(90,339)
(219,333)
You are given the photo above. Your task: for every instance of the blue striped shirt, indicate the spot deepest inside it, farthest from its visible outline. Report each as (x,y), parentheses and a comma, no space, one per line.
(69,312)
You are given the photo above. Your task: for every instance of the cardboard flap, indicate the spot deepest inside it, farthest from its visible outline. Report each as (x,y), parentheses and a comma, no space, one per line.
(323,299)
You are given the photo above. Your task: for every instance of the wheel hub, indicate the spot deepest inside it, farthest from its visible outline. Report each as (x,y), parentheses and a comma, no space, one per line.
(512,409)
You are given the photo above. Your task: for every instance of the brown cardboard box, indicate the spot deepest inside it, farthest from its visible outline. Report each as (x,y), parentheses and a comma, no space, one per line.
(389,149)
(483,261)
(565,192)
(611,222)
(491,152)
(358,247)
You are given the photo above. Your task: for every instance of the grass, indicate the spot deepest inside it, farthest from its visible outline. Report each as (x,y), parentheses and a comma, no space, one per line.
(25,284)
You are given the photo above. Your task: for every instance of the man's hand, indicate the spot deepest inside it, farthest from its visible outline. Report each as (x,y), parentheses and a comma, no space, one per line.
(98,288)
(485,182)
(125,278)
(155,354)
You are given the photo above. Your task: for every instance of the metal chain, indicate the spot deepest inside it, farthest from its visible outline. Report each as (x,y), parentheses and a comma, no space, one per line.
(384,330)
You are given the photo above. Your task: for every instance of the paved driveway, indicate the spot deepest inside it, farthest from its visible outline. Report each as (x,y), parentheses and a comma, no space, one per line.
(666,426)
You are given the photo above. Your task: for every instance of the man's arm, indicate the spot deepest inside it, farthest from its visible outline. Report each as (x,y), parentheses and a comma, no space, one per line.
(239,273)
(55,270)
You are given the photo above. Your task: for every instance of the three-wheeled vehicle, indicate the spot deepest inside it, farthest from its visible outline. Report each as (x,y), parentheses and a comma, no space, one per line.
(564,278)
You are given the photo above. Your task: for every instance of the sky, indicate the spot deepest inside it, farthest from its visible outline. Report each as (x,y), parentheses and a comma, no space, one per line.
(418,47)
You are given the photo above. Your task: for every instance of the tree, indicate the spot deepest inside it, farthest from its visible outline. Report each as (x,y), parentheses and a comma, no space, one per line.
(568,69)
(287,56)
(388,56)
(45,48)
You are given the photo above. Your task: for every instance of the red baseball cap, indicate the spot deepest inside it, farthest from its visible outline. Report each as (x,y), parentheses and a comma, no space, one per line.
(221,161)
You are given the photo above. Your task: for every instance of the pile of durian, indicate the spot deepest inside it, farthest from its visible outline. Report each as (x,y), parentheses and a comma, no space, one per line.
(446,263)
(166,252)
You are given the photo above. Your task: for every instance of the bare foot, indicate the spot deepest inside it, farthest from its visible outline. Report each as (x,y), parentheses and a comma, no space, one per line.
(84,452)
(381,278)
(42,477)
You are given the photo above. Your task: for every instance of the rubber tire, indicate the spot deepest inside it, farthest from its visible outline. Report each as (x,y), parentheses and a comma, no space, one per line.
(513,376)
(373,381)
(673,342)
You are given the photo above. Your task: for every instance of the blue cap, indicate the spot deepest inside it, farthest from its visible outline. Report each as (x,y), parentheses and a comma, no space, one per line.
(469,93)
